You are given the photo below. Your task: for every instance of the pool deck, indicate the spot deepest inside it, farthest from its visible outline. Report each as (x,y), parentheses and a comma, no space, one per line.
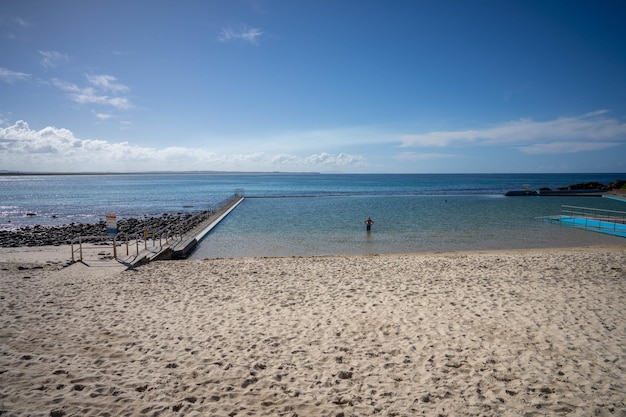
(602,226)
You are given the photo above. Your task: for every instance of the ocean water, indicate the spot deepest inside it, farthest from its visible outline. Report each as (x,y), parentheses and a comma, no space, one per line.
(335,225)
(320,214)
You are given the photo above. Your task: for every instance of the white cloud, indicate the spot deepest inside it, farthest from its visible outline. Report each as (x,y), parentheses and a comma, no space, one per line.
(242,33)
(107,83)
(10,77)
(314,139)
(50,59)
(424,156)
(342,159)
(591,131)
(96,94)
(103,116)
(565,147)
(55,149)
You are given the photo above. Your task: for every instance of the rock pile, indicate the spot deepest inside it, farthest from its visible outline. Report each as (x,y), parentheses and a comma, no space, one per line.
(62,235)
(615,185)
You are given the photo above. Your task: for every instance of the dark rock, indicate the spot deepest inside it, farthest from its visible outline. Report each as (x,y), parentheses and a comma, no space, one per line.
(585,186)
(248,382)
(345,375)
(617,185)
(59,235)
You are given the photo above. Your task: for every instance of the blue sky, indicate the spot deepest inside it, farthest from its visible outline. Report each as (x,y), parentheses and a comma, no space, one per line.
(330,86)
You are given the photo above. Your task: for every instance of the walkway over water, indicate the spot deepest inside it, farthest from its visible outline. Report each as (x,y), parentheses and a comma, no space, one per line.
(611,222)
(176,241)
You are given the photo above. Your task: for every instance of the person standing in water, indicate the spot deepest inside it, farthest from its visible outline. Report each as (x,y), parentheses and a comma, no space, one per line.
(368,224)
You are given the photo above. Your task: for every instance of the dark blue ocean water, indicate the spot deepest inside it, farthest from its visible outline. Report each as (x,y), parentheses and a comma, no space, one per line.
(320,214)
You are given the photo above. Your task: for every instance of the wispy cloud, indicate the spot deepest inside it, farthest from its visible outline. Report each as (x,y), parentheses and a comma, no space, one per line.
(103,116)
(341,159)
(424,156)
(23,23)
(241,33)
(107,83)
(97,91)
(50,59)
(12,27)
(10,77)
(566,147)
(51,147)
(591,131)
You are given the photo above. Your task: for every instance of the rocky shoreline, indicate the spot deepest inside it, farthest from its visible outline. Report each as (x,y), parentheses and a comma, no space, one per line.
(61,235)
(584,188)
(615,185)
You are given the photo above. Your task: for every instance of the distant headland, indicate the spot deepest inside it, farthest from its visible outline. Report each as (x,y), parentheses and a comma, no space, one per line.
(17,173)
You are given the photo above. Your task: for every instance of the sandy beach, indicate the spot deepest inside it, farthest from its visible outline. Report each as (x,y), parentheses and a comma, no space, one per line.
(504,333)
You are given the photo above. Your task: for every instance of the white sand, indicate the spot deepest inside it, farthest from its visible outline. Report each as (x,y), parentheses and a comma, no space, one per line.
(38,254)
(512,333)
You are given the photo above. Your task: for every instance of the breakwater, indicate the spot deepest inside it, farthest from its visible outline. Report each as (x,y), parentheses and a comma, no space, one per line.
(589,189)
(61,235)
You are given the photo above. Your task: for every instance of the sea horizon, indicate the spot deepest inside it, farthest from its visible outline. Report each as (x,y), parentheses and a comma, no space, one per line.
(51,199)
(211,172)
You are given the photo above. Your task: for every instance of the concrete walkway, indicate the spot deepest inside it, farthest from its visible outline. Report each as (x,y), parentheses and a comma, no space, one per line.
(123,255)
(181,247)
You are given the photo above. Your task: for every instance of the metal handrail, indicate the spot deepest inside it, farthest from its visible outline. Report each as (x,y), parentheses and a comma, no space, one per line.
(593,209)
(602,220)
(613,216)
(80,240)
(170,233)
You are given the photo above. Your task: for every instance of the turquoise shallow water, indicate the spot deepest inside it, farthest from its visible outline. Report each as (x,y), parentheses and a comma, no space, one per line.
(335,225)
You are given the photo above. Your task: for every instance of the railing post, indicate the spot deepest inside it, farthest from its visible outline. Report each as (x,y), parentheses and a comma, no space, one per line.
(80,247)
(114,248)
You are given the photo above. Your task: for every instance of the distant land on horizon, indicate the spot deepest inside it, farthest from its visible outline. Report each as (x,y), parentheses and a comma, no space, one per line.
(19,173)
(42,173)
